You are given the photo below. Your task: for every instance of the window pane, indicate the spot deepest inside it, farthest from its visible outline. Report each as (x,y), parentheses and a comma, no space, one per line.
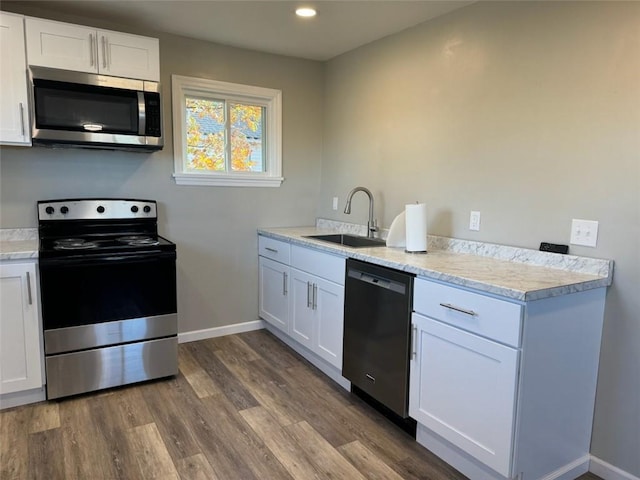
(205,134)
(247,125)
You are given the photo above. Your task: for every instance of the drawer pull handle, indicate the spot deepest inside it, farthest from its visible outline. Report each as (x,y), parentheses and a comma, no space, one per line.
(269,249)
(370,377)
(458,309)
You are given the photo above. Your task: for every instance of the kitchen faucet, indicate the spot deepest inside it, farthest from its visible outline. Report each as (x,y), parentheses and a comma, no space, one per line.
(371,224)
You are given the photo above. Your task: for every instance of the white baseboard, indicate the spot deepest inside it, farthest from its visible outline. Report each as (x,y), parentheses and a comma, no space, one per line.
(570,471)
(608,471)
(196,335)
(10,400)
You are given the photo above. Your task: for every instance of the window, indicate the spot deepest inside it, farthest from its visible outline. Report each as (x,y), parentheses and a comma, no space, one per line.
(226,133)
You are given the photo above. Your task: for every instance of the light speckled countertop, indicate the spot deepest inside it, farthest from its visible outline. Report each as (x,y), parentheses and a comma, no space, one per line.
(18,243)
(18,249)
(515,279)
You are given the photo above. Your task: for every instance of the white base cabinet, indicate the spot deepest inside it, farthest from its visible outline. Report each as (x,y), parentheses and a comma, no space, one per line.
(502,389)
(20,333)
(86,49)
(301,294)
(14,107)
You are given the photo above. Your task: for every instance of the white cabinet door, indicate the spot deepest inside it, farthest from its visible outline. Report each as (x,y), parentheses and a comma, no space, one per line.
(317,315)
(274,293)
(14,112)
(328,300)
(20,352)
(463,387)
(131,56)
(301,308)
(61,45)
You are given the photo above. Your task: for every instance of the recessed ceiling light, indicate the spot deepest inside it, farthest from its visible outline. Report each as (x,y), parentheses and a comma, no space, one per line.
(305,12)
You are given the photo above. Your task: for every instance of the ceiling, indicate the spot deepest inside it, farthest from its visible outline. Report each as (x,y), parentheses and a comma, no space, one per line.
(267,25)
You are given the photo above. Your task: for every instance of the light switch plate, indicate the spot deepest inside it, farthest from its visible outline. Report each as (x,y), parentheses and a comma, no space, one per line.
(584,232)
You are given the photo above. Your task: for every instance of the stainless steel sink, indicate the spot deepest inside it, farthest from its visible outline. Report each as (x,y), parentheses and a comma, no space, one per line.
(355,241)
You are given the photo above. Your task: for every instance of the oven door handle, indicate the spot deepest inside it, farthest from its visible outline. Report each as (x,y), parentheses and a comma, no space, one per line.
(105,260)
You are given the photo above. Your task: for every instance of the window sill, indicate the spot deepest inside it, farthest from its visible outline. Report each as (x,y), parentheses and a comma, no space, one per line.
(195,179)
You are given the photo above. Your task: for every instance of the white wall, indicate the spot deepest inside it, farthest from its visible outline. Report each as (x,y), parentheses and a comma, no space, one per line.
(528,112)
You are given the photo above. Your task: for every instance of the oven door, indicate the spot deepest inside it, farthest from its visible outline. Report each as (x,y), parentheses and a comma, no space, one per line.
(96,301)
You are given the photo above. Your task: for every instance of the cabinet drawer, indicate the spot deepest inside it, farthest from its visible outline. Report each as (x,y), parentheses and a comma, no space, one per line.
(487,316)
(318,263)
(274,249)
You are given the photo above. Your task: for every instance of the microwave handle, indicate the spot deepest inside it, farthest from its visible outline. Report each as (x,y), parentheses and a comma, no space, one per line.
(142,114)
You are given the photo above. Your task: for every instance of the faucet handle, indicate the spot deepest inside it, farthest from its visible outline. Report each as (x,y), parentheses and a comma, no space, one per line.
(373,228)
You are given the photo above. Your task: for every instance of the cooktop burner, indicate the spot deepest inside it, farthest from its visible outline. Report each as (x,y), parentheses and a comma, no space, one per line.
(138,240)
(73,244)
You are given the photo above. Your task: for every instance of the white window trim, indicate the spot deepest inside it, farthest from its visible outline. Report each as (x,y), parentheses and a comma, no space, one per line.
(182,86)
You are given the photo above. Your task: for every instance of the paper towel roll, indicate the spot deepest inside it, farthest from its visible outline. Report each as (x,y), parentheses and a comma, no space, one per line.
(416,222)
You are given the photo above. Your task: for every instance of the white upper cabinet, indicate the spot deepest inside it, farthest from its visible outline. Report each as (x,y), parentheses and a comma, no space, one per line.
(86,49)
(14,111)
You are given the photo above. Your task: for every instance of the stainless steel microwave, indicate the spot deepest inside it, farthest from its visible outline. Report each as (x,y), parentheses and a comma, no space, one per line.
(80,109)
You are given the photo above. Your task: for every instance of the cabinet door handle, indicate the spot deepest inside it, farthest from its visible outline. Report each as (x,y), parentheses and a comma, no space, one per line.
(104,51)
(458,309)
(269,249)
(315,297)
(284,283)
(92,50)
(414,339)
(308,295)
(22,118)
(29,288)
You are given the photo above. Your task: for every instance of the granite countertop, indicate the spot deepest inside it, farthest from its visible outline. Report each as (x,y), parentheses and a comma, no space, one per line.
(18,243)
(514,273)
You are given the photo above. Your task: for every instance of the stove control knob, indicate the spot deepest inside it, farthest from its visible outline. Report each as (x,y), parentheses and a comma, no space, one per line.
(134,209)
(50,210)
(100,209)
(64,210)
(146,209)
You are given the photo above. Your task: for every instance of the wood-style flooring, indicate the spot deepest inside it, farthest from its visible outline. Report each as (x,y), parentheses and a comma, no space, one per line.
(242,407)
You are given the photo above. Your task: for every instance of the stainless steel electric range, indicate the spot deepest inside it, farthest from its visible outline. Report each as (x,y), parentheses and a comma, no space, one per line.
(108,290)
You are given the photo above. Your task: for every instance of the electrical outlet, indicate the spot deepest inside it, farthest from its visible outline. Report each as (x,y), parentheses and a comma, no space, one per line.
(335,203)
(474,221)
(584,232)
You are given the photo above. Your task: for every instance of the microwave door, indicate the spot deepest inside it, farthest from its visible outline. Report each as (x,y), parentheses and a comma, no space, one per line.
(78,108)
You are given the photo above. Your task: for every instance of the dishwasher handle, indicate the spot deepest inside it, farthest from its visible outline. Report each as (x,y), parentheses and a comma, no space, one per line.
(377,281)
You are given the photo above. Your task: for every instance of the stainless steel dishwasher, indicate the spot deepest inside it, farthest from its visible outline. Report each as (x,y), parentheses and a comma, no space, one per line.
(377,333)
